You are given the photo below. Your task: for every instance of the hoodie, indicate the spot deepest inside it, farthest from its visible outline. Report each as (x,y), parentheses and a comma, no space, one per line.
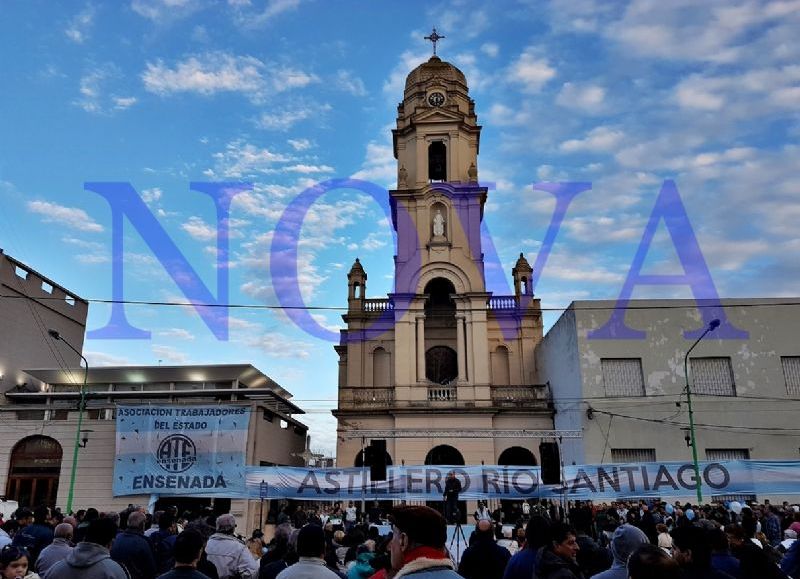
(625,540)
(87,561)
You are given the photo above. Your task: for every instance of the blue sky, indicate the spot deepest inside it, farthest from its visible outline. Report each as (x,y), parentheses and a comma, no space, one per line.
(286,93)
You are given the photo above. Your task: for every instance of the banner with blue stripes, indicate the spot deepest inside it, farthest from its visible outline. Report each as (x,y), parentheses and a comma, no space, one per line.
(604,481)
(181,450)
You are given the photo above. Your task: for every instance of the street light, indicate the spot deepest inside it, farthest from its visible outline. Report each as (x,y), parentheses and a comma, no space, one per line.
(711,327)
(81,407)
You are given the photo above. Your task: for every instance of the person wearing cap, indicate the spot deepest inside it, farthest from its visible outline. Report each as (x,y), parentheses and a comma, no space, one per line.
(418,542)
(311,553)
(228,554)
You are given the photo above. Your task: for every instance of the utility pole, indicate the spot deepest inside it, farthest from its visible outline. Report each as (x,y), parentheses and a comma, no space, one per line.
(711,327)
(81,408)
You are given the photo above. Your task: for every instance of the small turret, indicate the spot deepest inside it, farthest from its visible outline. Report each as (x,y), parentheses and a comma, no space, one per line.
(522,273)
(356,286)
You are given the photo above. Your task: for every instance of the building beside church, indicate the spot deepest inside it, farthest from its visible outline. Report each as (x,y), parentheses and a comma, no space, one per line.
(628,395)
(441,369)
(41,380)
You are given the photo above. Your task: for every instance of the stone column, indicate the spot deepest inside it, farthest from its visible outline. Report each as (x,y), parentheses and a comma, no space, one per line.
(461,350)
(420,348)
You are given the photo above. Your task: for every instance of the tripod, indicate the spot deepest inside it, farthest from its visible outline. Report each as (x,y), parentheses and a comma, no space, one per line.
(458,537)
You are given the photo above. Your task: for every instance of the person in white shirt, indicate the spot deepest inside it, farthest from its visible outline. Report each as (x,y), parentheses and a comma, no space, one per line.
(350,516)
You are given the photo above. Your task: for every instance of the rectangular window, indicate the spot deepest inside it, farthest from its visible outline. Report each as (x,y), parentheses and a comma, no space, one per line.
(791,373)
(730,454)
(623,376)
(712,377)
(621,455)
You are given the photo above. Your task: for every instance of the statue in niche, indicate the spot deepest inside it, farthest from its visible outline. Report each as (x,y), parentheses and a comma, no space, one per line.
(402,177)
(438,224)
(472,173)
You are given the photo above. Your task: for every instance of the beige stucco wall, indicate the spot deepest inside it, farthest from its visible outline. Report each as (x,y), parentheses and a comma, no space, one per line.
(571,362)
(24,343)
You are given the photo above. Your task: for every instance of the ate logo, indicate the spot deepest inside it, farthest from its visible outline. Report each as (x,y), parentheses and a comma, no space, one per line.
(176,453)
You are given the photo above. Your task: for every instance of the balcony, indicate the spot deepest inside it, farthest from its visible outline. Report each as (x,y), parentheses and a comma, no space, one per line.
(536,395)
(445,393)
(366,397)
(378,305)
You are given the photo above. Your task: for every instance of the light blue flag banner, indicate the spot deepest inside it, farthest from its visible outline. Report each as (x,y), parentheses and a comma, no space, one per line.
(606,481)
(181,450)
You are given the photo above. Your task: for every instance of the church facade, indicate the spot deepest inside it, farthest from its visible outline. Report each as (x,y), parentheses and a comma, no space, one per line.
(441,369)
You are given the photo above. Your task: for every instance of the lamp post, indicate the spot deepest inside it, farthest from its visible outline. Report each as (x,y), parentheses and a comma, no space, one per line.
(711,327)
(81,407)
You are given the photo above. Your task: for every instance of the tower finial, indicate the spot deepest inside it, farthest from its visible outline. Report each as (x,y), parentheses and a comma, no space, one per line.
(434,38)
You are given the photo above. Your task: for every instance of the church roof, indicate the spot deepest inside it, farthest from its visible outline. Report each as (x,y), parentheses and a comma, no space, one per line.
(434,68)
(522,264)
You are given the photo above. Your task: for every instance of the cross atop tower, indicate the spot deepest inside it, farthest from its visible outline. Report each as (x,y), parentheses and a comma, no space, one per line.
(434,38)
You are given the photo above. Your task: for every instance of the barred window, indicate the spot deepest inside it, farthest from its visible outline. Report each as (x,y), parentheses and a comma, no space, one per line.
(633,455)
(623,376)
(728,453)
(791,373)
(712,377)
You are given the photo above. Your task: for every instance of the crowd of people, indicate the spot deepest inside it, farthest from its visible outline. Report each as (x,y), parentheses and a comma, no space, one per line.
(621,540)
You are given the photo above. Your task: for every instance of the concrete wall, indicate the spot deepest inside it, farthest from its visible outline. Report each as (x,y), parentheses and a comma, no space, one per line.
(757,369)
(24,343)
(557,362)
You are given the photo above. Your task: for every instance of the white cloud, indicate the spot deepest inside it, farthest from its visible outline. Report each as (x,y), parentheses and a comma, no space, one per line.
(248,18)
(199,229)
(67,216)
(490,49)
(531,71)
(240,159)
(589,98)
(79,25)
(347,82)
(170,354)
(279,346)
(160,11)
(300,144)
(505,116)
(177,333)
(373,240)
(599,139)
(379,165)
(98,359)
(151,195)
(393,86)
(308,169)
(122,103)
(284,119)
(206,74)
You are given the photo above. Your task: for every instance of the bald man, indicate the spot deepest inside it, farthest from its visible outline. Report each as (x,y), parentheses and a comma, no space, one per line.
(57,550)
(484,559)
(132,550)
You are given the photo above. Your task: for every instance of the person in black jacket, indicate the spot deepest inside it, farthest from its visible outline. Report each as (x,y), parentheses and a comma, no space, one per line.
(452,488)
(132,550)
(557,560)
(484,559)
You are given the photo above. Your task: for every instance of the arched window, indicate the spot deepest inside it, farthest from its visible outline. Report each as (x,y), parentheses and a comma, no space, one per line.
(357,290)
(359,461)
(444,454)
(437,161)
(441,365)
(34,470)
(500,369)
(380,368)
(516,456)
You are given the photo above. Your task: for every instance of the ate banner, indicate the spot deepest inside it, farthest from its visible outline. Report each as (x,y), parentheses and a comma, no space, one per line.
(608,481)
(181,450)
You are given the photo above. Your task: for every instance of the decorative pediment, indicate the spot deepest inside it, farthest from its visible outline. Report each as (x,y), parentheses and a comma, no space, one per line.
(437,115)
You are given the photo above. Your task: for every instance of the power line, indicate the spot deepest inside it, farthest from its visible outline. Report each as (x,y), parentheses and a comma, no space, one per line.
(345,308)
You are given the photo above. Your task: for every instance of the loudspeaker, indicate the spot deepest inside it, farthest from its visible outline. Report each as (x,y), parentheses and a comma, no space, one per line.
(551,463)
(376,455)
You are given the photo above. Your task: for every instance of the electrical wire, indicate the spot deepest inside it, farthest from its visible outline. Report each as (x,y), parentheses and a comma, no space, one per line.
(345,308)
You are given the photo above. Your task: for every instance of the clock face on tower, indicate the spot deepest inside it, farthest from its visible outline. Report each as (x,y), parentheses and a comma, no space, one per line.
(436,99)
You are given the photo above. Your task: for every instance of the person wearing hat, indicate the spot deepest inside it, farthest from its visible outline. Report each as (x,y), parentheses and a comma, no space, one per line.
(228,554)
(418,541)
(311,551)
